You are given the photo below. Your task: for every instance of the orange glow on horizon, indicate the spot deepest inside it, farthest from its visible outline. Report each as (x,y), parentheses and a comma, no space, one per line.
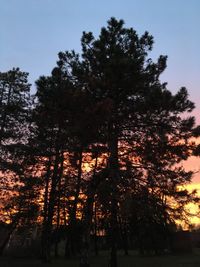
(192,208)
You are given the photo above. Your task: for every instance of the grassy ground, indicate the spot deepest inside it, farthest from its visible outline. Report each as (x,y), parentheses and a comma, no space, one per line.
(133,260)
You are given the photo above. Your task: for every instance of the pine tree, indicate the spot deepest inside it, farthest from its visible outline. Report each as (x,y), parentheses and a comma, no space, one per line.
(15,106)
(116,71)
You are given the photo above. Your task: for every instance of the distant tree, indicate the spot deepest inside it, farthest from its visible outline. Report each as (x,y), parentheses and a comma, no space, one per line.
(14,115)
(15,107)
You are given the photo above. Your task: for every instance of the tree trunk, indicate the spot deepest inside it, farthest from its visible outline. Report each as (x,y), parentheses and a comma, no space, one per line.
(46,192)
(87,218)
(47,227)
(124,238)
(71,242)
(45,210)
(114,177)
(78,186)
(58,208)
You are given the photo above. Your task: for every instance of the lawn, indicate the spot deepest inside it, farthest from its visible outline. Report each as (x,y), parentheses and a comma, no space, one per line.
(133,260)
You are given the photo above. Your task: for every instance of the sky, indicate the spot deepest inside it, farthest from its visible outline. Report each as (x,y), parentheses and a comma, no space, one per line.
(32,32)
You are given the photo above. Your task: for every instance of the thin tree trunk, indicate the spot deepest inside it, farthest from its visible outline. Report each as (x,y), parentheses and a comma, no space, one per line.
(51,204)
(46,192)
(87,218)
(45,209)
(58,208)
(73,223)
(88,213)
(114,177)
(78,185)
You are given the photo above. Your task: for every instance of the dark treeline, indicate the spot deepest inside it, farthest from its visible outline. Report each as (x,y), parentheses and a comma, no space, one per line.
(97,150)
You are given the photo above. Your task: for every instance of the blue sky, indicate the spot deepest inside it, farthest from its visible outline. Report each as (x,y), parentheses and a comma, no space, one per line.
(32,32)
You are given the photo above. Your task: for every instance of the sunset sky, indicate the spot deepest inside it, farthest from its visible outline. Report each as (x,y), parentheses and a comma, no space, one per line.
(34,31)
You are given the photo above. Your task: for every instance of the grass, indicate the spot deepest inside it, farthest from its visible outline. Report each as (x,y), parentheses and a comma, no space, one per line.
(133,260)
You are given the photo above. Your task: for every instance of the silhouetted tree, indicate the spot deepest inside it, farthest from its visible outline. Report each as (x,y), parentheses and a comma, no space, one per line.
(15,110)
(116,71)
(51,118)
